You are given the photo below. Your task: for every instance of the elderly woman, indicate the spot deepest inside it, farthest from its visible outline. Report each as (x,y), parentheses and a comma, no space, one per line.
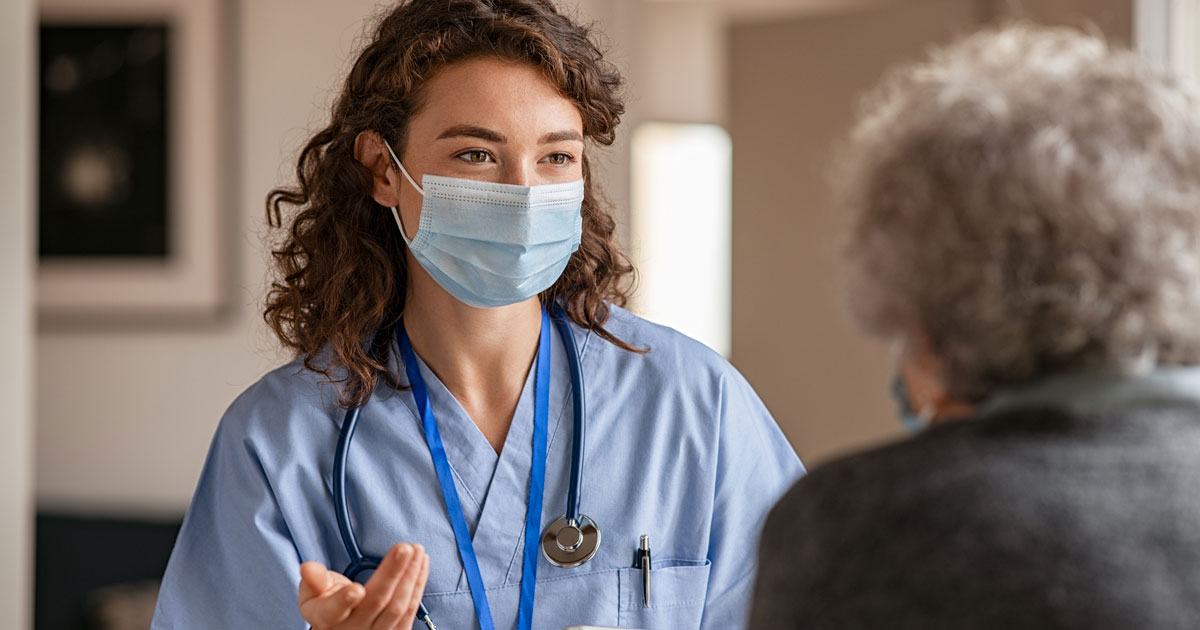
(1027,234)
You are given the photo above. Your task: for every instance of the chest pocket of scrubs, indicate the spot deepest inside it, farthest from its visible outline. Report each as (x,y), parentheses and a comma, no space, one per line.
(678,589)
(568,599)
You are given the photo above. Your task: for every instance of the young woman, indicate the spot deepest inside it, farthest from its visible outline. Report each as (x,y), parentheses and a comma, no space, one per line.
(447,273)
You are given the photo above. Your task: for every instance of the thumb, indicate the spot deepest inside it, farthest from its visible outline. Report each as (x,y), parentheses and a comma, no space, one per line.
(314,580)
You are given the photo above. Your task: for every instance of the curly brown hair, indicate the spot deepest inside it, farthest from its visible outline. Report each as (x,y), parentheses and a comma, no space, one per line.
(339,262)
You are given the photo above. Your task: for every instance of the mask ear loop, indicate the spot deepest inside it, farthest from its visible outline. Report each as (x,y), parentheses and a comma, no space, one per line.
(928,412)
(396,210)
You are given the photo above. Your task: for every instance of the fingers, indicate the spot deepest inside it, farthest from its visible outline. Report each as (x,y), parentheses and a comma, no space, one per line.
(326,597)
(390,599)
(332,608)
(314,579)
(417,592)
(380,587)
(400,612)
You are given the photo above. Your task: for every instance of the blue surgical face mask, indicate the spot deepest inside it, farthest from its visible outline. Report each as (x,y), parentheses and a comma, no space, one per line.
(491,244)
(912,421)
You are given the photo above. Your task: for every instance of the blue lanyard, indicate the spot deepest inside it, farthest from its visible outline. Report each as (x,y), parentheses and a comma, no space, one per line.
(537,480)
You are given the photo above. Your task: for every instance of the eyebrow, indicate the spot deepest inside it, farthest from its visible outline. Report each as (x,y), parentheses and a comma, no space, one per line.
(561,136)
(472,131)
(483,133)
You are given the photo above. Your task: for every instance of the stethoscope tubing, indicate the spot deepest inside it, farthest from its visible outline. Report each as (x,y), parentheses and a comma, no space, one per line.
(341,506)
(358,562)
(568,340)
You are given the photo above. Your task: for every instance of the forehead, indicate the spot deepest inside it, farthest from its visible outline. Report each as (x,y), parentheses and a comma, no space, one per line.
(511,97)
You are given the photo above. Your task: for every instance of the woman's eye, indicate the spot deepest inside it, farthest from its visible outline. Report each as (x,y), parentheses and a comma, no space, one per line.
(475,157)
(559,159)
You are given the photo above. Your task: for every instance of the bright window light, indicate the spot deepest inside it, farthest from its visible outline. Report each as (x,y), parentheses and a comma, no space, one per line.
(1166,32)
(681,228)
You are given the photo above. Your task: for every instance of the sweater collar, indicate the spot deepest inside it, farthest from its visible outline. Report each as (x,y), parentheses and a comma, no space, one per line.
(1101,391)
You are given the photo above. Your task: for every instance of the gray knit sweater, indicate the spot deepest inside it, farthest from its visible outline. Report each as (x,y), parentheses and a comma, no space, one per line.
(1070,505)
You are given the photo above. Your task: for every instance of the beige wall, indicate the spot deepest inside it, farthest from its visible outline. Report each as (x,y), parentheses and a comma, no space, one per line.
(673,56)
(17,50)
(794,87)
(1113,18)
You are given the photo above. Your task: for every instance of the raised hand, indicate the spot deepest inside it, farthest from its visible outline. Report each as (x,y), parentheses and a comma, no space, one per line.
(389,601)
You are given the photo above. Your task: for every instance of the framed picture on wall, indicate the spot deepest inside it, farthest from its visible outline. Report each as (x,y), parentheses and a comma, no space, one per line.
(130,180)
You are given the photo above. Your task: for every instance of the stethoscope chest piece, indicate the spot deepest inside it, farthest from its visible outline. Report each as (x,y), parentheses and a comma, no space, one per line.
(568,544)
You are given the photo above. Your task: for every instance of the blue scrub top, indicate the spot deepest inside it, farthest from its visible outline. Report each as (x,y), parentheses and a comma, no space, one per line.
(679,447)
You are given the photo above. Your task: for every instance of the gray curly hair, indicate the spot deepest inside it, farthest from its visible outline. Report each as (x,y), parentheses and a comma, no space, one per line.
(1028,201)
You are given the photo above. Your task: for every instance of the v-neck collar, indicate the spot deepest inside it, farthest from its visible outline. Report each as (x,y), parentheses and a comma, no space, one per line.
(471,456)
(494,488)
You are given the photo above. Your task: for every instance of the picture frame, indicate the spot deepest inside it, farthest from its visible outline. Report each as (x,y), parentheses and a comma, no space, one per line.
(183,281)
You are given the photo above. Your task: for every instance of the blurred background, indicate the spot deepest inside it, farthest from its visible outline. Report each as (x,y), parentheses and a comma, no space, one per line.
(138,139)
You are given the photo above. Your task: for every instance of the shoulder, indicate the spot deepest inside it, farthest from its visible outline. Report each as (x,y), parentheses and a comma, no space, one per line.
(283,405)
(667,351)
(863,515)
(875,475)
(975,465)
(681,381)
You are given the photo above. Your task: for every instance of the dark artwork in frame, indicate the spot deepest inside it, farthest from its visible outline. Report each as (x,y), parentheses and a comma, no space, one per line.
(103,134)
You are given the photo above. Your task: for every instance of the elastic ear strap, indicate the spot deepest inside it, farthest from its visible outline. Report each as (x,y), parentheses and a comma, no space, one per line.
(396,215)
(402,169)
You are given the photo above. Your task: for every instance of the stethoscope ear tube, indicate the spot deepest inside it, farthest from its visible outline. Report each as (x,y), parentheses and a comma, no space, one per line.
(341,507)
(573,539)
(358,562)
(568,340)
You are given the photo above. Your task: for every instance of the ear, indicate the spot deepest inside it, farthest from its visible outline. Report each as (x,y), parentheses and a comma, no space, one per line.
(370,151)
(924,374)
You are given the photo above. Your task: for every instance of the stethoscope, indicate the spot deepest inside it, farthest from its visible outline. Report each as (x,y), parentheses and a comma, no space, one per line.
(569,541)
